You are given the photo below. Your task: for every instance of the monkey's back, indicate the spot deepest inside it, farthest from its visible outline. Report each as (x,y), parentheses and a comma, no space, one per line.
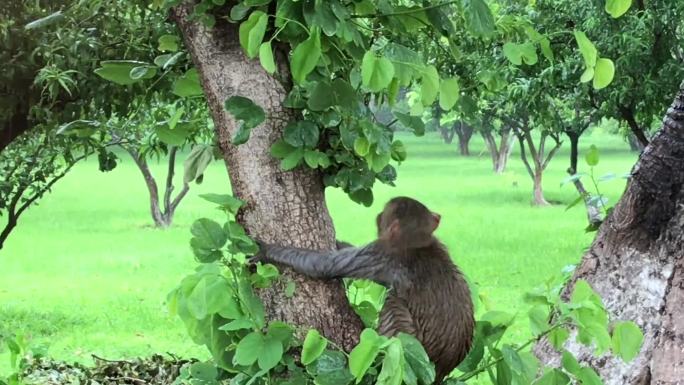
(434,305)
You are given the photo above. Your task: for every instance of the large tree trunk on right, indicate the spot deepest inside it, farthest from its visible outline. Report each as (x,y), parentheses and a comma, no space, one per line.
(636,263)
(286,207)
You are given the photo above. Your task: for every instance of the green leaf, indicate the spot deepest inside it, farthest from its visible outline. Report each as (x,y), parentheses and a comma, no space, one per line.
(539,319)
(305,56)
(617,8)
(188,84)
(604,72)
(592,156)
(449,93)
(290,288)
(587,49)
(280,149)
(376,72)
(588,376)
(270,354)
(570,363)
(118,71)
(203,371)
(172,137)
(266,57)
(479,18)
(238,324)
(553,377)
(292,160)
(46,21)
(398,151)
(166,60)
(143,72)
(330,369)
(412,122)
(519,53)
(321,97)
(209,233)
(546,50)
(363,354)
(361,146)
(244,110)
(80,128)
(314,345)
(429,85)
(168,43)
(558,336)
(248,349)
(392,371)
(417,359)
(197,161)
(239,11)
(344,94)
(252,33)
(226,201)
(512,358)
(627,339)
(301,133)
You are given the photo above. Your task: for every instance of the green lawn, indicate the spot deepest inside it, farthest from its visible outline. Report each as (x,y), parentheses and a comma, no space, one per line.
(84,272)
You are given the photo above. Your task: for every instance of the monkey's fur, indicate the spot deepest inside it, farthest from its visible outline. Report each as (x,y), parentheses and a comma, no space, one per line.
(427,297)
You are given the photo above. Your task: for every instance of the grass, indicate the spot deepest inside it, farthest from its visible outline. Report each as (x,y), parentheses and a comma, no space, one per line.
(85,273)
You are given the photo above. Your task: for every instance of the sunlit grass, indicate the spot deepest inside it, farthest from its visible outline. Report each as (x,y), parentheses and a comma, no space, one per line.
(85,273)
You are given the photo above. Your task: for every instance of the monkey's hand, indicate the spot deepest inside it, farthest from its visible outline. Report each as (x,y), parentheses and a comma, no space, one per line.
(260,255)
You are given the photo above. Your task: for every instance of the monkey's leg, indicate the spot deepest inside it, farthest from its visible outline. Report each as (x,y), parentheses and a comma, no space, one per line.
(395,318)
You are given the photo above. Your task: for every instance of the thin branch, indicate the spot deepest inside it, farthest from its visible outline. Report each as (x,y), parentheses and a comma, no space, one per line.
(47,187)
(169,178)
(523,154)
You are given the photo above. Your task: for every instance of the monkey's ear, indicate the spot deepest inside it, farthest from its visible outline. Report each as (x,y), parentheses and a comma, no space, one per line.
(394,230)
(436,218)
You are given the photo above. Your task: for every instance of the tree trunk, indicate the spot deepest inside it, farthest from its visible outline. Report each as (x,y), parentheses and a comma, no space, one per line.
(628,115)
(281,207)
(634,143)
(500,153)
(7,230)
(152,189)
(464,132)
(539,199)
(593,213)
(636,263)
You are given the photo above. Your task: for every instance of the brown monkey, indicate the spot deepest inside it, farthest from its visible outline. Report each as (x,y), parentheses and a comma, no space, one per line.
(427,297)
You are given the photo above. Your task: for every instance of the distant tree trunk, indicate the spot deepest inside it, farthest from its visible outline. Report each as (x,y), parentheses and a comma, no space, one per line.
(447,134)
(162,217)
(636,264)
(285,207)
(593,213)
(499,153)
(540,160)
(634,143)
(627,114)
(465,133)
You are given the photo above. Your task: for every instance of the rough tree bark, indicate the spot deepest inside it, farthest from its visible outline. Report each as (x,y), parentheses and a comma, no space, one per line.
(282,207)
(162,217)
(500,153)
(636,263)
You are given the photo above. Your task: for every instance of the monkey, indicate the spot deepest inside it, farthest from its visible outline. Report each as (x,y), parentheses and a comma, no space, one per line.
(428,296)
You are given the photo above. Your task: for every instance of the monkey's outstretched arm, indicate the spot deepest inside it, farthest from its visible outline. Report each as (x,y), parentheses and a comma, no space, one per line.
(353,262)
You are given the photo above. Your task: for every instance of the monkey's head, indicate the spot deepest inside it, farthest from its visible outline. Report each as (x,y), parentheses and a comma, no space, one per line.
(407,223)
